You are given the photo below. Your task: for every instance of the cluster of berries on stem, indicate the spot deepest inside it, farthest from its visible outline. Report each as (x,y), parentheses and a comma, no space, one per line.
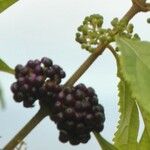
(33,78)
(75,110)
(77,113)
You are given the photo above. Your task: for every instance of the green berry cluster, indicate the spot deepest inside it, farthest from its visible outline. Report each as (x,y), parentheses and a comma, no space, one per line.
(90,34)
(124,29)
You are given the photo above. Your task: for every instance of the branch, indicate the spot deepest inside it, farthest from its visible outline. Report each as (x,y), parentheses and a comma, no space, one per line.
(148,6)
(26,130)
(141,4)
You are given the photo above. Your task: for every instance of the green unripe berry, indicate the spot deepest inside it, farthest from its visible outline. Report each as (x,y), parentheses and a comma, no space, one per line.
(96,20)
(136,37)
(82,40)
(114,22)
(130,28)
(92,34)
(103,38)
(84,46)
(117,49)
(87,19)
(78,35)
(85,29)
(90,49)
(129,36)
(93,41)
(97,16)
(80,28)
(99,23)
(148,20)
(121,25)
(102,31)
(109,38)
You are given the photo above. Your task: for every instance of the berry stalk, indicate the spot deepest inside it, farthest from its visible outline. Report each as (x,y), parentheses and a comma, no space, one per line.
(104,144)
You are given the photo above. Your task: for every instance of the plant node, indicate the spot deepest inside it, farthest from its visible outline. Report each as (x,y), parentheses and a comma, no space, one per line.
(142,5)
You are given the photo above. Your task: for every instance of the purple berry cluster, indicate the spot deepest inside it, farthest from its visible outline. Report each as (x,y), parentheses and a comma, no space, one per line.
(76,112)
(34,78)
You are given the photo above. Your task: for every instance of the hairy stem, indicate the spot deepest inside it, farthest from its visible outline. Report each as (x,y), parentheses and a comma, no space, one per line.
(25,130)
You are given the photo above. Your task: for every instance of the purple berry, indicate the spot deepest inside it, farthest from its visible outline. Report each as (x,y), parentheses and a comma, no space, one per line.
(84,138)
(56,68)
(78,105)
(62,74)
(14,87)
(69,125)
(18,68)
(63,136)
(80,128)
(91,91)
(69,113)
(50,72)
(18,97)
(30,64)
(38,70)
(61,95)
(46,61)
(74,141)
(31,78)
(69,101)
(37,62)
(57,106)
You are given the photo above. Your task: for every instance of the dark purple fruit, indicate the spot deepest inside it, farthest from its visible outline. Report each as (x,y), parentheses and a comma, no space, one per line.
(63,136)
(46,61)
(37,80)
(76,111)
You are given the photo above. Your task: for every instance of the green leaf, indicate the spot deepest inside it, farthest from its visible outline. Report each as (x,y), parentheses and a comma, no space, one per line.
(126,135)
(2,104)
(128,125)
(135,70)
(145,141)
(4,4)
(4,67)
(105,145)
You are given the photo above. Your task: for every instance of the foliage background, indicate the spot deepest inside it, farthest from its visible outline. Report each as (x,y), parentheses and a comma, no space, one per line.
(31,29)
